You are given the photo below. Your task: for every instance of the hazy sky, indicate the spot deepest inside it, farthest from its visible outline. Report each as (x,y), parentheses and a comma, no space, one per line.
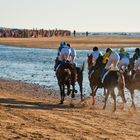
(79,15)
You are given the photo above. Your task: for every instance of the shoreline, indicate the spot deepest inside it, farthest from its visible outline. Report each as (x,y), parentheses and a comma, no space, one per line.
(79,43)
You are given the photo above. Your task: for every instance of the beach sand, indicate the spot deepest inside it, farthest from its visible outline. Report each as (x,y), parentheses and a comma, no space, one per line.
(76,42)
(32,112)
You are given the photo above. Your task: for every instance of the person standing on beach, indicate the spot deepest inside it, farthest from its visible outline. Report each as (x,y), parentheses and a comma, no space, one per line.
(86,33)
(74,33)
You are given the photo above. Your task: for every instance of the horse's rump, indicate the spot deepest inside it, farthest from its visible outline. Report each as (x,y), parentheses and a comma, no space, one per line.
(65,70)
(114,78)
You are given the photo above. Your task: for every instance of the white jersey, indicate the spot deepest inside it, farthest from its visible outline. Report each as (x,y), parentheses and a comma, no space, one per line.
(65,50)
(95,55)
(73,52)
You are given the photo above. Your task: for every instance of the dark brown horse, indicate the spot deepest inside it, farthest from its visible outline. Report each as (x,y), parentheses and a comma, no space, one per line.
(112,79)
(67,74)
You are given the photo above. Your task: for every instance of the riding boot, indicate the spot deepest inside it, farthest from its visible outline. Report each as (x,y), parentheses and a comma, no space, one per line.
(56,64)
(103,72)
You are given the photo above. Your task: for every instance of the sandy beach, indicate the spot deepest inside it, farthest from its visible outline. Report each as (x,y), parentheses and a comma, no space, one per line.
(32,112)
(76,42)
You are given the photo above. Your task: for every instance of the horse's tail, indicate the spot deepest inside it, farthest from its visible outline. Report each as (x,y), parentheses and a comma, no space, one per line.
(83,66)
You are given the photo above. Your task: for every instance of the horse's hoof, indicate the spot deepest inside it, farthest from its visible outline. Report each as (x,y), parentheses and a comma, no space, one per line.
(73,95)
(61,103)
(68,93)
(75,91)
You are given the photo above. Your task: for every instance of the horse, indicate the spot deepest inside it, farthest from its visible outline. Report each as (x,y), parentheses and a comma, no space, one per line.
(67,74)
(113,78)
(132,81)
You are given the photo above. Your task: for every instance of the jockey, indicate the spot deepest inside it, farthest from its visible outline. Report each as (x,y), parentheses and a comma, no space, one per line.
(62,44)
(124,58)
(112,62)
(106,55)
(73,54)
(136,59)
(95,54)
(65,53)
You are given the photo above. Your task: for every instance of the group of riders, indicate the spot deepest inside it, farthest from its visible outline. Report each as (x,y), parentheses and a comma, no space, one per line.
(65,53)
(111,59)
(109,65)
(115,60)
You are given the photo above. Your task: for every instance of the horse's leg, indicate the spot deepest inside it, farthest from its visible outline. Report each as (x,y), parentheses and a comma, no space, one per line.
(132,97)
(94,89)
(122,94)
(73,90)
(68,89)
(106,97)
(61,93)
(79,80)
(114,97)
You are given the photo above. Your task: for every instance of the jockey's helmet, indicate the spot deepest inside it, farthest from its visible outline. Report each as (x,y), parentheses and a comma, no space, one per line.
(95,48)
(122,50)
(108,50)
(68,45)
(62,43)
(137,50)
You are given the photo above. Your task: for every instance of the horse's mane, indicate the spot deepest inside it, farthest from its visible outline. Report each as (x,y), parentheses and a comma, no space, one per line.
(99,62)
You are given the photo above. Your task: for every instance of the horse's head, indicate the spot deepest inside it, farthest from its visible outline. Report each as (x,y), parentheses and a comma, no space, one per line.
(99,62)
(89,61)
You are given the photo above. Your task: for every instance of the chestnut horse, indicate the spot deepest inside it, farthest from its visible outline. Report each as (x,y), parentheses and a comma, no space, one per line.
(132,81)
(67,74)
(114,78)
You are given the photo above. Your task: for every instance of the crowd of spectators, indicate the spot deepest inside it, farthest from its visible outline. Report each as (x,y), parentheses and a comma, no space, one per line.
(27,33)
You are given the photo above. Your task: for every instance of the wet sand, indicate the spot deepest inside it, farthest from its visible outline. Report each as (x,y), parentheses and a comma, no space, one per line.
(76,42)
(31,112)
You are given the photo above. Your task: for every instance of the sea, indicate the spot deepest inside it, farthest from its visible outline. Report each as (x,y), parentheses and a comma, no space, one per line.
(118,34)
(36,66)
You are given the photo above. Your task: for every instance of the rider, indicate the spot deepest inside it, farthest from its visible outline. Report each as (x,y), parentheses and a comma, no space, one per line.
(62,44)
(136,59)
(112,61)
(106,55)
(95,54)
(72,54)
(124,58)
(65,53)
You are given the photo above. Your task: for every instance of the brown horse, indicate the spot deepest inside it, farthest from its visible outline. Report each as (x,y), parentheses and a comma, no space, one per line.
(132,81)
(67,74)
(112,79)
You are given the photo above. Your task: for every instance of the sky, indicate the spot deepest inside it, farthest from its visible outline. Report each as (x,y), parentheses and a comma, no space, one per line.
(79,15)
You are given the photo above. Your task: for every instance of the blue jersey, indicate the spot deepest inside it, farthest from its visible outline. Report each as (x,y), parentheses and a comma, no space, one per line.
(124,55)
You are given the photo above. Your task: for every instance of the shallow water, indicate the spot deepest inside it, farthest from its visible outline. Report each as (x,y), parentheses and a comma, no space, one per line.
(36,66)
